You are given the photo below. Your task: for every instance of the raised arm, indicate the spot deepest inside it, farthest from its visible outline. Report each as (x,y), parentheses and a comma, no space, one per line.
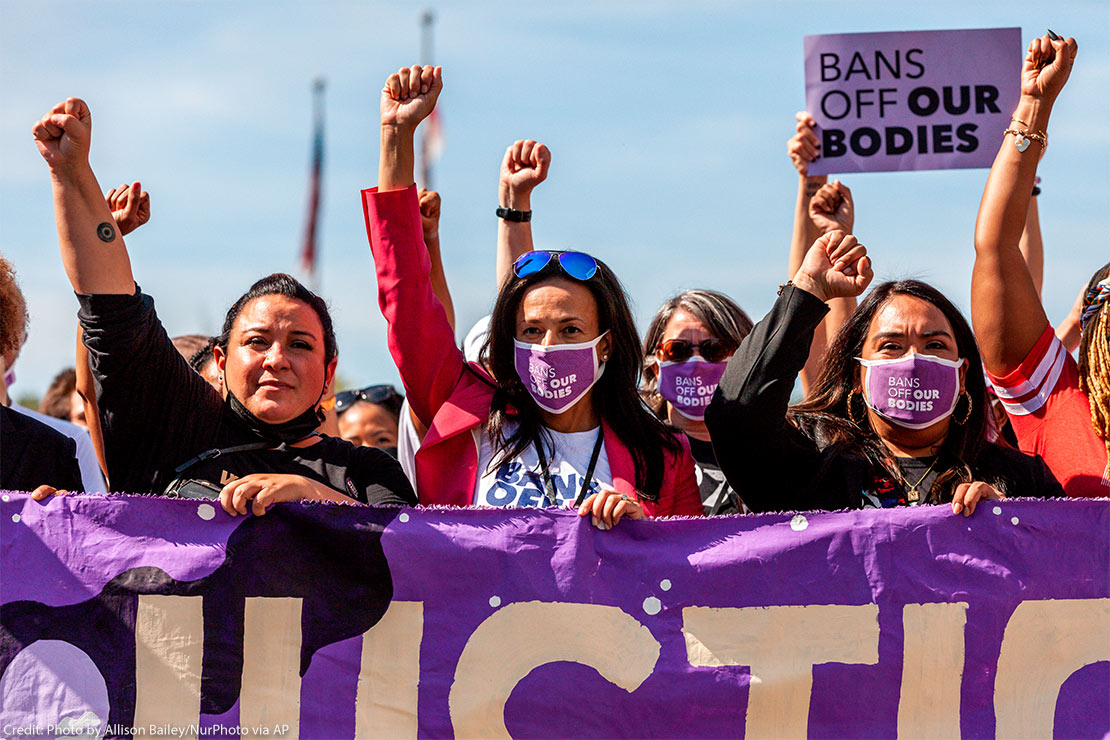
(769,462)
(1006,309)
(430,204)
(421,340)
(408,97)
(93,252)
(820,207)
(523,167)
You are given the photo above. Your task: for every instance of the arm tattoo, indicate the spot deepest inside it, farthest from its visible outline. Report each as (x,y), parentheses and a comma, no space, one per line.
(106,232)
(812,188)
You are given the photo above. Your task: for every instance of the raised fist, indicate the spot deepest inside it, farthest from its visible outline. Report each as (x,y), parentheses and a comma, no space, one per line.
(429,213)
(64,133)
(836,266)
(130,206)
(524,167)
(410,95)
(831,208)
(1047,67)
(804,146)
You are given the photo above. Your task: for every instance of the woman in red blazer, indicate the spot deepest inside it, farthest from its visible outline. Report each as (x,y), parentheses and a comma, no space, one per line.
(556,420)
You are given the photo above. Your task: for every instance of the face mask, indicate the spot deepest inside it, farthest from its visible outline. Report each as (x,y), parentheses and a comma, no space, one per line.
(914,391)
(9,378)
(293,430)
(558,375)
(688,385)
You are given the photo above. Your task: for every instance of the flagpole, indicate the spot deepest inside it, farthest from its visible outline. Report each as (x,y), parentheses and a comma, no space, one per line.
(309,251)
(426,40)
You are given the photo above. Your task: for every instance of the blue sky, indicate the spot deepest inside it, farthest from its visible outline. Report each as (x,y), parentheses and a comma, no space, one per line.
(667,123)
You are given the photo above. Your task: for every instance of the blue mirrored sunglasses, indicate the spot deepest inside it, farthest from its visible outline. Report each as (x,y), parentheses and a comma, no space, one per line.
(578,265)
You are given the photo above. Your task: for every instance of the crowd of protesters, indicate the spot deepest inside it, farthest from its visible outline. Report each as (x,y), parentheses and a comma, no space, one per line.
(553,400)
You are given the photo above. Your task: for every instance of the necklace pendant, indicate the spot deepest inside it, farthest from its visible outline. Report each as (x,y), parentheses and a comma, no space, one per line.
(911,495)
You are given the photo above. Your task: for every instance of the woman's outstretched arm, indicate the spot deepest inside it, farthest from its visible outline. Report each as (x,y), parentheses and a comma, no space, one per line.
(93,252)
(1006,308)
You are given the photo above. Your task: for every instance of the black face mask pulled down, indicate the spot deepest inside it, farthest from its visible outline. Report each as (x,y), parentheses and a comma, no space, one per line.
(290,431)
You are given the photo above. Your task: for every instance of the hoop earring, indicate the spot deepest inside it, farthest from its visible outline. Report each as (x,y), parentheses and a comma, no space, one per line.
(851,416)
(967,416)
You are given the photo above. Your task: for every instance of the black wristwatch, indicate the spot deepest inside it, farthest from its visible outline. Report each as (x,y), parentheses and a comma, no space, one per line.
(512,214)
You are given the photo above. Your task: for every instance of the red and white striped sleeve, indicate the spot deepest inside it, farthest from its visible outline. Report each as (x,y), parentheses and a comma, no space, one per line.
(1026,390)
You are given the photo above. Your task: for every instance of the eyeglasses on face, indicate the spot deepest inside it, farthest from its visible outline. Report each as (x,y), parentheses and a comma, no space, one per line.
(379,394)
(578,265)
(680,350)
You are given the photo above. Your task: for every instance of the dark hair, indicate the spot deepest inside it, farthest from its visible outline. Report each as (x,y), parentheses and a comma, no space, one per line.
(382,395)
(722,317)
(614,395)
(825,415)
(285,285)
(200,359)
(55,402)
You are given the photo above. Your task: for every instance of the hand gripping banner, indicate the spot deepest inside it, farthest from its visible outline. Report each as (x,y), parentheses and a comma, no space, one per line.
(135,616)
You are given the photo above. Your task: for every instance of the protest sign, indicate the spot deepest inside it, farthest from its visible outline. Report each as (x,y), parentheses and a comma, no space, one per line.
(131,616)
(911,100)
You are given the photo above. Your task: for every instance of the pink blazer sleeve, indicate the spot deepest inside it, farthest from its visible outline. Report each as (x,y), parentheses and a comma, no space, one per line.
(420,338)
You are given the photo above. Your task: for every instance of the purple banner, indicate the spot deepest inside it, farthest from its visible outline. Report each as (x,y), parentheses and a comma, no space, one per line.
(911,100)
(128,616)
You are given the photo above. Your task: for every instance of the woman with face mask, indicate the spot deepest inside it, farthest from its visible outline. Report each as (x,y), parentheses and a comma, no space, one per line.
(897,416)
(557,420)
(165,428)
(685,352)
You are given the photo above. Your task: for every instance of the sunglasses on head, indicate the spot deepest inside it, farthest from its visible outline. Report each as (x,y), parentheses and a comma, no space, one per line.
(680,350)
(578,265)
(379,394)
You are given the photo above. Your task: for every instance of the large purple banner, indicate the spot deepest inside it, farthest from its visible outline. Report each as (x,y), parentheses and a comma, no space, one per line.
(137,616)
(911,100)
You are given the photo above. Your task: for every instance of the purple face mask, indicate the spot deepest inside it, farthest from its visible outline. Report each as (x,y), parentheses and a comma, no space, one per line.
(914,391)
(9,378)
(688,385)
(558,375)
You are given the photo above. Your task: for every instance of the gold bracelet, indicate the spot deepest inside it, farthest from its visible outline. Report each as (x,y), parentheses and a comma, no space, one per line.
(1024,137)
(1018,120)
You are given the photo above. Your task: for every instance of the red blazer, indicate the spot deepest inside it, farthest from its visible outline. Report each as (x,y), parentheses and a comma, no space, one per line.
(456,398)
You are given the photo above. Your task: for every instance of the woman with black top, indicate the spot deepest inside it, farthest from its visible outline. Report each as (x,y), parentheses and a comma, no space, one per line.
(685,352)
(166,429)
(897,416)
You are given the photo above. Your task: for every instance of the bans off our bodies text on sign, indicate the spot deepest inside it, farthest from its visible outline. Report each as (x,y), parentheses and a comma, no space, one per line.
(911,100)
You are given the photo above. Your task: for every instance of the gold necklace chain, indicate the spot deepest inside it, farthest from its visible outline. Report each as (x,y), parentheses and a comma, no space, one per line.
(911,491)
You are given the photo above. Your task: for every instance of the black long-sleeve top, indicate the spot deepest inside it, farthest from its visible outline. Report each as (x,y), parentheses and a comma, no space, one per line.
(775,466)
(157,413)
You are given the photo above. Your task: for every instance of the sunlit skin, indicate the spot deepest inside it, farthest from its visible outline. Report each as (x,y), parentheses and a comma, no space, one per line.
(684,325)
(275,359)
(559,311)
(904,324)
(368,425)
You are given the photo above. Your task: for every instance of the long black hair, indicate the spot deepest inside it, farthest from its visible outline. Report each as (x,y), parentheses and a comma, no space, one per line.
(826,415)
(614,395)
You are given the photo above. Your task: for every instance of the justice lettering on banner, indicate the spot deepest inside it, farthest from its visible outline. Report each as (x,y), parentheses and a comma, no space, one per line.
(911,100)
(858,628)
